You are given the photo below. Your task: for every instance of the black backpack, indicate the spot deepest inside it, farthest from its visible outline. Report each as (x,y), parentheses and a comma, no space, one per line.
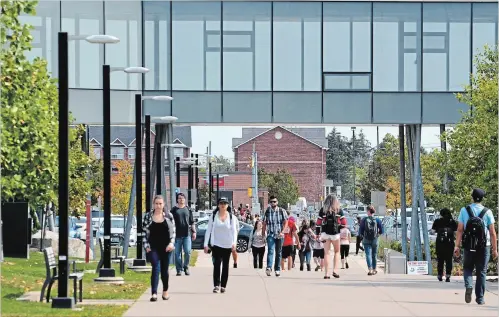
(370,228)
(445,236)
(475,234)
(330,224)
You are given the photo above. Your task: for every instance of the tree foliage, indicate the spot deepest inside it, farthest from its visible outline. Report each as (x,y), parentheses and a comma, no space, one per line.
(472,159)
(29,100)
(121,185)
(280,184)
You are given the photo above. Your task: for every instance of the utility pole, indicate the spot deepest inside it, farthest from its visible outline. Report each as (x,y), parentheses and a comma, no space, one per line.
(196,182)
(353,158)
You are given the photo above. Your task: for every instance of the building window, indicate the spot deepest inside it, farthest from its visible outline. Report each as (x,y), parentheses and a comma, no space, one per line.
(131,153)
(246,41)
(97,152)
(297,46)
(117,153)
(347,81)
(157,48)
(484,27)
(178,152)
(195,32)
(347,37)
(397,47)
(446,46)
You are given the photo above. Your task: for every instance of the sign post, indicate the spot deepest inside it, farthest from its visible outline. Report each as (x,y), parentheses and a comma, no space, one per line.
(89,230)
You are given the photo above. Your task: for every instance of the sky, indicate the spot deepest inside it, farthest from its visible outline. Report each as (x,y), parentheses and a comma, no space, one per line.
(221,136)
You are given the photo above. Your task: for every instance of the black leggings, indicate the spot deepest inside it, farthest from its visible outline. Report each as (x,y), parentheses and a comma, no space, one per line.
(258,256)
(357,245)
(344,250)
(444,254)
(221,256)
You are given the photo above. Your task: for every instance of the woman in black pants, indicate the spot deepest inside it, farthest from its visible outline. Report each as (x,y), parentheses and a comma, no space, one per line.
(359,239)
(257,245)
(222,229)
(159,241)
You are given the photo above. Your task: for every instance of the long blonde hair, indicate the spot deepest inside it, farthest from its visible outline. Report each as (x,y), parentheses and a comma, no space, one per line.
(330,204)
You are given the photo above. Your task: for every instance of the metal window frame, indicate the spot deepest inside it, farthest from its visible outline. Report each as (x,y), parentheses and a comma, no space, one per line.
(350,75)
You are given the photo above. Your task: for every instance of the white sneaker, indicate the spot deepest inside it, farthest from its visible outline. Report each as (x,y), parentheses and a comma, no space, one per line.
(277,273)
(268,271)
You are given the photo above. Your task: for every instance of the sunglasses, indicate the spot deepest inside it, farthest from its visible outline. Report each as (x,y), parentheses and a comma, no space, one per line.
(273,201)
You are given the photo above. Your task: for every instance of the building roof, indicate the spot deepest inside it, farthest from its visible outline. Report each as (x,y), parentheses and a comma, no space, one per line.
(316,136)
(126,134)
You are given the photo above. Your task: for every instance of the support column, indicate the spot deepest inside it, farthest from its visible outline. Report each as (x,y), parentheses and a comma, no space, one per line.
(189,185)
(403,202)
(443,147)
(171,166)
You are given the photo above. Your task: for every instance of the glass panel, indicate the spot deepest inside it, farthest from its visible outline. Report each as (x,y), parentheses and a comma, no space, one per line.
(85,59)
(124,20)
(157,44)
(350,107)
(484,26)
(246,28)
(156,108)
(347,37)
(46,24)
(397,48)
(197,107)
(442,108)
(297,107)
(397,108)
(247,107)
(446,46)
(297,46)
(195,66)
(346,82)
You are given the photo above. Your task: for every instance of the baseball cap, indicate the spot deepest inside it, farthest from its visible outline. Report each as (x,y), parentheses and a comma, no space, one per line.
(223,200)
(478,194)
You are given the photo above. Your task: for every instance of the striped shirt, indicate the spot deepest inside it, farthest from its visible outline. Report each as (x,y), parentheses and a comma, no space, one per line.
(274,219)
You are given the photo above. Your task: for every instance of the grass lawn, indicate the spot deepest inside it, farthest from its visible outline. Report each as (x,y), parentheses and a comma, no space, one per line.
(20,276)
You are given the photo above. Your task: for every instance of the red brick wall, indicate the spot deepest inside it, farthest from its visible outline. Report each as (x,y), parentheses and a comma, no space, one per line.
(301,158)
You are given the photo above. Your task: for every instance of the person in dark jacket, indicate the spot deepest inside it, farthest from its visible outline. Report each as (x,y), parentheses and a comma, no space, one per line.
(359,238)
(445,227)
(159,242)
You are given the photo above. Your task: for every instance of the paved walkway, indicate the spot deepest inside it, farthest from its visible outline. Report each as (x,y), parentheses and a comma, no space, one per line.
(251,293)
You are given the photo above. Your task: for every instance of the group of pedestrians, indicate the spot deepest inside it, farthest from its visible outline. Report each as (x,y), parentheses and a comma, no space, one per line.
(278,234)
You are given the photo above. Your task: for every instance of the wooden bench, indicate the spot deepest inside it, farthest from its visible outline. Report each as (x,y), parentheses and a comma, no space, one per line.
(52,276)
(120,258)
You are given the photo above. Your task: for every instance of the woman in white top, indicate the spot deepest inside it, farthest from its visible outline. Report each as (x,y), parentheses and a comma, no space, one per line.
(222,229)
(345,237)
(257,245)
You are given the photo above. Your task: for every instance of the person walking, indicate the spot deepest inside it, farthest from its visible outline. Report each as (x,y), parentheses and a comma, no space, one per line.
(331,233)
(477,233)
(318,247)
(358,239)
(345,237)
(234,251)
(222,231)
(185,233)
(159,241)
(290,235)
(275,220)
(306,239)
(371,228)
(257,245)
(445,227)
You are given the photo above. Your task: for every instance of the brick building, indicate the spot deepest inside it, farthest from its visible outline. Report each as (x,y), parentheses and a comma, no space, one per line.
(300,151)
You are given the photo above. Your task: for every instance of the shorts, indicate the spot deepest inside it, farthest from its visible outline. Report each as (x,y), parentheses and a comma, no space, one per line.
(331,237)
(344,250)
(319,253)
(287,251)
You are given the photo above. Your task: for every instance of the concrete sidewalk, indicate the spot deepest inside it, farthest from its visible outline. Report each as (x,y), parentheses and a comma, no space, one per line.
(251,293)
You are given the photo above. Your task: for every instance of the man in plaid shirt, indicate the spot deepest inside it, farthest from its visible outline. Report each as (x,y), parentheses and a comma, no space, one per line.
(275,224)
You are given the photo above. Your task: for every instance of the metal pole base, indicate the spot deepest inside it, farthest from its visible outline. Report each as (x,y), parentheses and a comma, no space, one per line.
(63,302)
(139,262)
(104,272)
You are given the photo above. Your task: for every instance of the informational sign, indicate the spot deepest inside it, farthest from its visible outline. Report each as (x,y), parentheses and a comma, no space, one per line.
(338,192)
(221,181)
(417,267)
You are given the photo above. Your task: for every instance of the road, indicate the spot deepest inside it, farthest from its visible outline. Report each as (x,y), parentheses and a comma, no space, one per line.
(251,293)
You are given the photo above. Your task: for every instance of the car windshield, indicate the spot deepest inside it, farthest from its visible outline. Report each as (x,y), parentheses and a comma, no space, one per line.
(115,223)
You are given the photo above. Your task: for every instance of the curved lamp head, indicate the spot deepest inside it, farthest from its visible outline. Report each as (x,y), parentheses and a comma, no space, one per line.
(175,145)
(158,98)
(102,39)
(136,70)
(167,119)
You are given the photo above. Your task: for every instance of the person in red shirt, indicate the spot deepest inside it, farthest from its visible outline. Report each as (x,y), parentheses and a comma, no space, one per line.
(287,247)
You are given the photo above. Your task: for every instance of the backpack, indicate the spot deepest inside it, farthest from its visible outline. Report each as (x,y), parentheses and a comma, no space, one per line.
(370,228)
(475,235)
(445,236)
(330,224)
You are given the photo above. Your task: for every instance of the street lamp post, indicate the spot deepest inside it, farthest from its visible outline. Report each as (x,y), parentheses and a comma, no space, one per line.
(196,182)
(218,187)
(210,185)
(62,300)
(107,271)
(353,157)
(148,170)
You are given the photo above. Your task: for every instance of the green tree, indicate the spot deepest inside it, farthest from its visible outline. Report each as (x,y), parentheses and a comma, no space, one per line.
(29,100)
(280,184)
(472,158)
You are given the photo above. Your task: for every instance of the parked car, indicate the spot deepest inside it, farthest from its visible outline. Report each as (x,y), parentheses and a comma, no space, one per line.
(73,227)
(118,231)
(242,238)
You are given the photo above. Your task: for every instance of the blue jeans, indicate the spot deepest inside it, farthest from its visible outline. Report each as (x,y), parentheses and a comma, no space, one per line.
(305,257)
(160,261)
(186,244)
(478,260)
(274,245)
(371,250)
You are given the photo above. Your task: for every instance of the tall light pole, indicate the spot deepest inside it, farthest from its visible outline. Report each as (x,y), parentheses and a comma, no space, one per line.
(353,158)
(107,272)
(62,300)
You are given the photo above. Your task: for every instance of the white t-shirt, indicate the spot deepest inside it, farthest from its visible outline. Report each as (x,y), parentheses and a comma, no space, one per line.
(223,233)
(345,236)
